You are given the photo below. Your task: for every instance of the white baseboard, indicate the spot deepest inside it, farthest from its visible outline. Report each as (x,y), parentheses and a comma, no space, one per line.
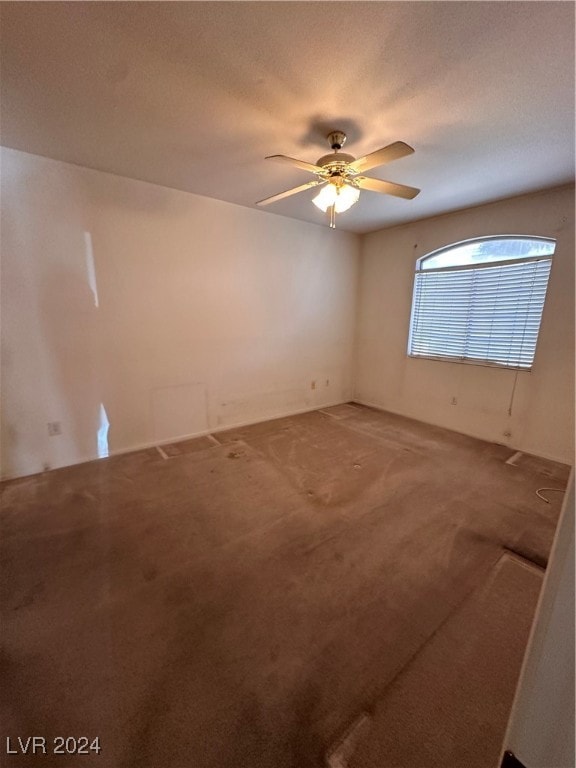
(515,447)
(223,428)
(180,438)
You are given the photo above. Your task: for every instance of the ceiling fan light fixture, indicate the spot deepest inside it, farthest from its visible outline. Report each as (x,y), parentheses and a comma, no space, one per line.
(341,196)
(347,197)
(326,197)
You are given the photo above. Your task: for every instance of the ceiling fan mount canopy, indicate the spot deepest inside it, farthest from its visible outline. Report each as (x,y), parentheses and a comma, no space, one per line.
(340,171)
(336,139)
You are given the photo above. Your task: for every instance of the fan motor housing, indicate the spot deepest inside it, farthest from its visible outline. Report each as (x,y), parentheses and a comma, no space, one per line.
(335,158)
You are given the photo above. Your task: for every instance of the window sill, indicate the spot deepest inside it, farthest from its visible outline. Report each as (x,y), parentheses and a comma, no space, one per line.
(465,361)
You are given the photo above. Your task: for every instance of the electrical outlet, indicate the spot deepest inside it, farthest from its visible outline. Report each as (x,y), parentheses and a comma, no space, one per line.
(454,401)
(312,385)
(54,428)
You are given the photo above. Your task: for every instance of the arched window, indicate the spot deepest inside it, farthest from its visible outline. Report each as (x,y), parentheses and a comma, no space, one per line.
(481,301)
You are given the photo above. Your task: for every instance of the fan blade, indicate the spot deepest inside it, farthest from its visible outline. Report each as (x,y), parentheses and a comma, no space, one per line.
(385,155)
(386,187)
(297,163)
(289,192)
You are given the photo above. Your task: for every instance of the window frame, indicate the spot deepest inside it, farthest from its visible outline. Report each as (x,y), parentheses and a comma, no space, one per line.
(480,265)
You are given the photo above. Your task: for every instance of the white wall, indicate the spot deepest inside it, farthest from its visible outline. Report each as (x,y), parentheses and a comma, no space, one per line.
(541,727)
(208,315)
(542,420)
(211,315)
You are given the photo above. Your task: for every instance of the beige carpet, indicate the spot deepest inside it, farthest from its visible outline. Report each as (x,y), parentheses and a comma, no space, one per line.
(236,604)
(449,707)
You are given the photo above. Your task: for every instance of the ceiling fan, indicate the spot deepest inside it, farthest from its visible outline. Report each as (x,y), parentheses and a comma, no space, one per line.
(338,175)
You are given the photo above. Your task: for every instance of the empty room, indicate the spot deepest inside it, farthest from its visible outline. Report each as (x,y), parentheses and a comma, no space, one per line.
(287,384)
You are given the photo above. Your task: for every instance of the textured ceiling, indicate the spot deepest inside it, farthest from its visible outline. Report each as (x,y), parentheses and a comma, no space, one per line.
(194,95)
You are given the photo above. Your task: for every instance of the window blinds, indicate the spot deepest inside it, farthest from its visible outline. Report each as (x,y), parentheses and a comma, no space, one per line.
(488,314)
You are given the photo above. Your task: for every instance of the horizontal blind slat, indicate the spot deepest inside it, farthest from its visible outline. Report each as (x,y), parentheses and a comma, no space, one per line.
(490,313)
